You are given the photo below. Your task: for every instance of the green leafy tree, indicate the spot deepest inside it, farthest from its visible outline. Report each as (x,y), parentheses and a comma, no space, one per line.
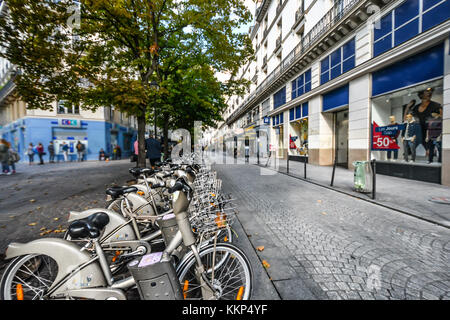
(118,49)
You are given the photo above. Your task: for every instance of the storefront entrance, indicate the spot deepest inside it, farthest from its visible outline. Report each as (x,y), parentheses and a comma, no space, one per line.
(341,136)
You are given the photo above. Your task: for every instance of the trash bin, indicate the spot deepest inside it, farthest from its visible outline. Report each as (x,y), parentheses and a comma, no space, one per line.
(363,176)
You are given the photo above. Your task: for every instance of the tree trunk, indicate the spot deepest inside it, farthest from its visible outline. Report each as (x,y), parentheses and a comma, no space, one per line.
(141,141)
(166,136)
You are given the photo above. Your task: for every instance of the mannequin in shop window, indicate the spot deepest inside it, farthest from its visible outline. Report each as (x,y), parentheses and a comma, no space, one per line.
(422,111)
(434,136)
(394,137)
(410,137)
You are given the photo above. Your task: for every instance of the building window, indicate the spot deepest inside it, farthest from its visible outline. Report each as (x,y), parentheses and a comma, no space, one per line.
(278,119)
(111,113)
(265,107)
(338,62)
(406,21)
(64,108)
(279,98)
(301,85)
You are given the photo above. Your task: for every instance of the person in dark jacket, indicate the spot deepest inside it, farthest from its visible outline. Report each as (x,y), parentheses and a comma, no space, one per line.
(4,155)
(51,152)
(153,147)
(41,153)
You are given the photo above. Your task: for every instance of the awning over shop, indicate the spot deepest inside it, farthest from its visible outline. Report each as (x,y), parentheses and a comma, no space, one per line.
(336,98)
(422,67)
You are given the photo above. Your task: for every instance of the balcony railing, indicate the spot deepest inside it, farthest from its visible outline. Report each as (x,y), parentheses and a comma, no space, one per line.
(330,19)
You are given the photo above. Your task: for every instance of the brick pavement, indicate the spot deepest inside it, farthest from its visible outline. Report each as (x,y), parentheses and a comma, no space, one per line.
(325,245)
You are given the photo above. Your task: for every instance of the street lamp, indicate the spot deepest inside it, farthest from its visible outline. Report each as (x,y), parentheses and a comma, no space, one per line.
(154,85)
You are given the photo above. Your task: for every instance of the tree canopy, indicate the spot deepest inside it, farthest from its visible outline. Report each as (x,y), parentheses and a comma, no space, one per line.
(118,47)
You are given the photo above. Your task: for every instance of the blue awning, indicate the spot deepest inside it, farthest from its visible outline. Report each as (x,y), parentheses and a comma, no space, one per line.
(421,67)
(336,98)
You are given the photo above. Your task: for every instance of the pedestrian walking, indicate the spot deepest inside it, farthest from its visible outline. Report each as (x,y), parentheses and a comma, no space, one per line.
(30,153)
(41,153)
(4,155)
(65,150)
(13,158)
(51,152)
(153,147)
(80,150)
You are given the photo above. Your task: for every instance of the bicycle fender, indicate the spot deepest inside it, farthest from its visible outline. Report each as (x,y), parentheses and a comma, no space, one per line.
(68,257)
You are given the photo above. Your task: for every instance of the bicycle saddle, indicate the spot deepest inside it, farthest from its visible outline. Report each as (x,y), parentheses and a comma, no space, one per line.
(116,192)
(136,172)
(89,227)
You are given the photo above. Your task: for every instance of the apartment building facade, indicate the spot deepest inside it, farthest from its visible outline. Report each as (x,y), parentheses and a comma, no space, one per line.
(334,80)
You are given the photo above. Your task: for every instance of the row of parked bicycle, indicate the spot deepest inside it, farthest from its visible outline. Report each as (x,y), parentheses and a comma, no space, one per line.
(167,235)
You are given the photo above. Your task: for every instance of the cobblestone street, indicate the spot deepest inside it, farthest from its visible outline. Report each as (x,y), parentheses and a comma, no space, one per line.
(321,244)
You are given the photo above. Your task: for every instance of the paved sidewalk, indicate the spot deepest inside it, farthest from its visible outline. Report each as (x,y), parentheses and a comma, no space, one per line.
(321,244)
(407,196)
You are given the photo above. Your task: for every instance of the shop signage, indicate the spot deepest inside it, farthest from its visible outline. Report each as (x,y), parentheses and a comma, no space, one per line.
(292,142)
(383,138)
(267,120)
(69,123)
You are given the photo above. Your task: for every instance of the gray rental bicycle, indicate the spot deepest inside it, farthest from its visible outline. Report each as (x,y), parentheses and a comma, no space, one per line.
(60,269)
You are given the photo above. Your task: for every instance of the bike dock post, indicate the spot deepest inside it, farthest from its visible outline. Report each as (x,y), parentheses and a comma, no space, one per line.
(287,164)
(374,178)
(334,169)
(304,167)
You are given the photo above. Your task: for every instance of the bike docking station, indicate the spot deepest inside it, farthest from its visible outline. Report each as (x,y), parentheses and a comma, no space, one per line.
(155,277)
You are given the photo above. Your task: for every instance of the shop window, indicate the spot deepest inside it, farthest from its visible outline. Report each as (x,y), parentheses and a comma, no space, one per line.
(338,62)
(298,139)
(403,130)
(301,85)
(298,112)
(279,98)
(278,119)
(402,23)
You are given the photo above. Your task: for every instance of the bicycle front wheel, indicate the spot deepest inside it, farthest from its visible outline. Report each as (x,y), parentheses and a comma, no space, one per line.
(228,270)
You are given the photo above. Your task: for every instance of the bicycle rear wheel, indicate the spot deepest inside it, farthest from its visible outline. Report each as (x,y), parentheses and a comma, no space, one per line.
(228,269)
(28,278)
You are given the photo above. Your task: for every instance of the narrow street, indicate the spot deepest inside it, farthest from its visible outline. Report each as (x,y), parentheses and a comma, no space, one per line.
(321,244)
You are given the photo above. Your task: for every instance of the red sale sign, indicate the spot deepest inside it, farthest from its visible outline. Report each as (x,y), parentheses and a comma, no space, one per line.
(382,142)
(291,143)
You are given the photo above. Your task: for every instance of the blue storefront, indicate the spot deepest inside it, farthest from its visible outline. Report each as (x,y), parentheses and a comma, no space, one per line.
(95,135)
